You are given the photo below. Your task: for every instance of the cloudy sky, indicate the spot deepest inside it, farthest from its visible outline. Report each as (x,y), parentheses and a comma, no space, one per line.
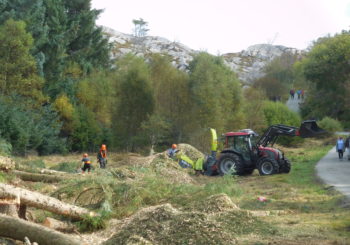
(223,26)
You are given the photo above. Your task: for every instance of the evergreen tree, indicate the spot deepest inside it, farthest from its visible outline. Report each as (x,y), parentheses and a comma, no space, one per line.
(18,74)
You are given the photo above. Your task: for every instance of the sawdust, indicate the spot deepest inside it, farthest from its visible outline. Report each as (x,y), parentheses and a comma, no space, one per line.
(217,203)
(163,224)
(6,163)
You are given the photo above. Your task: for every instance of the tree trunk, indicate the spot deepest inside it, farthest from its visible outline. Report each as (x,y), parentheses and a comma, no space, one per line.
(18,229)
(38,177)
(58,225)
(38,200)
(9,206)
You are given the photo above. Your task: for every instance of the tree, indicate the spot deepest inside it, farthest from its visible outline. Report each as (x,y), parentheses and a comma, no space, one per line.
(64,34)
(18,74)
(135,100)
(140,29)
(326,67)
(171,95)
(215,96)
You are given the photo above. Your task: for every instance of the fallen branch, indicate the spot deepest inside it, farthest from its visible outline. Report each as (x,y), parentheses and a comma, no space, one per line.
(38,200)
(18,229)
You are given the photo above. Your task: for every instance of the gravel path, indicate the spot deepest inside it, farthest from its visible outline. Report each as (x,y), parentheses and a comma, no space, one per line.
(335,172)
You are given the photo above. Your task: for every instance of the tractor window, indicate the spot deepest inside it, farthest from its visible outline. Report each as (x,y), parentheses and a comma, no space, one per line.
(240,144)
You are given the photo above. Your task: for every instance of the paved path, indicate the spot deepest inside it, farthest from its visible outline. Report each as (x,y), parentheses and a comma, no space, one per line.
(335,172)
(293,104)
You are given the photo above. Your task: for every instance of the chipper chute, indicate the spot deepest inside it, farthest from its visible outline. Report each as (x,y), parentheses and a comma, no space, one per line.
(309,128)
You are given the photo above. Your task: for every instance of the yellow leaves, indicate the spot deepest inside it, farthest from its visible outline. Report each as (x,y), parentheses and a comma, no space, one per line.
(63,105)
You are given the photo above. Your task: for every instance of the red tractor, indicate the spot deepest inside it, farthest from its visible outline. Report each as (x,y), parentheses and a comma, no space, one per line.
(245,151)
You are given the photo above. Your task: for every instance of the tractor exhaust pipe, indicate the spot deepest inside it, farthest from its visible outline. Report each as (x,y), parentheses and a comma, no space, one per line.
(309,128)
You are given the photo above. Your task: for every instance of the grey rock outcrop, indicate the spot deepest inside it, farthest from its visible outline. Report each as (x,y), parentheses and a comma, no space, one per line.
(248,64)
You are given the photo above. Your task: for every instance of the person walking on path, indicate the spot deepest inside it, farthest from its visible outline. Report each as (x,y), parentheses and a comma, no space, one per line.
(102,156)
(302,94)
(292,92)
(340,146)
(299,93)
(347,146)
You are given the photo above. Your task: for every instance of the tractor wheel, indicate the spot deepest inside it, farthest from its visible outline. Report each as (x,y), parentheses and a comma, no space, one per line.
(268,166)
(285,167)
(230,163)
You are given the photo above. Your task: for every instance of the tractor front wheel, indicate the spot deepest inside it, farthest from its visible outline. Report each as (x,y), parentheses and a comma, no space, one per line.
(230,163)
(268,166)
(285,167)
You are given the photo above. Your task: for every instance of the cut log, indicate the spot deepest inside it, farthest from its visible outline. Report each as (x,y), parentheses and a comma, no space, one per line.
(9,206)
(18,229)
(50,171)
(38,200)
(38,177)
(58,225)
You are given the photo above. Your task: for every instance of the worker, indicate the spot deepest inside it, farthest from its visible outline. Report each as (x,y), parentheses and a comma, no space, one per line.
(102,156)
(87,163)
(172,151)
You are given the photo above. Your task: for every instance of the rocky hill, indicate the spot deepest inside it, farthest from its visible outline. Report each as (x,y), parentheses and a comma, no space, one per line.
(247,64)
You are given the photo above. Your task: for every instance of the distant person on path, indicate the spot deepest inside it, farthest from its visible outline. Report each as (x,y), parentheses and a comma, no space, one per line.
(87,163)
(299,93)
(347,146)
(102,156)
(340,147)
(302,94)
(292,92)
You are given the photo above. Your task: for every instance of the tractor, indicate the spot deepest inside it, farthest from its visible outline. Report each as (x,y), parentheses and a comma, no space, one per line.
(244,151)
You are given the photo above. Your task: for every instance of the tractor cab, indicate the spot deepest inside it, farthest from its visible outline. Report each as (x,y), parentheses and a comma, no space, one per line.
(242,142)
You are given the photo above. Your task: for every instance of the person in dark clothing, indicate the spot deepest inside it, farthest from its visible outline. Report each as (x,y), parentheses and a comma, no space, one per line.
(87,163)
(292,92)
(102,156)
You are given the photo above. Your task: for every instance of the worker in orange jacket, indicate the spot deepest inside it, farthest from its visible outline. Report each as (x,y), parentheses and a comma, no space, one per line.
(102,156)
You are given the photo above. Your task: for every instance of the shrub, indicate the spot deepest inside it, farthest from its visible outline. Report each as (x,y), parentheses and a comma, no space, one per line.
(5,147)
(278,113)
(331,125)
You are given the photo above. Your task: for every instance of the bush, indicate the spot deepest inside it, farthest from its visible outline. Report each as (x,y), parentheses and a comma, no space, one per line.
(278,113)
(5,147)
(331,125)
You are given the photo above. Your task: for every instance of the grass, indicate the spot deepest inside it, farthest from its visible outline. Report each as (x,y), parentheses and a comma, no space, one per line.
(299,209)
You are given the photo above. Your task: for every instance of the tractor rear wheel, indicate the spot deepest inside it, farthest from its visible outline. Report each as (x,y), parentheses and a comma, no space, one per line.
(268,166)
(230,163)
(285,166)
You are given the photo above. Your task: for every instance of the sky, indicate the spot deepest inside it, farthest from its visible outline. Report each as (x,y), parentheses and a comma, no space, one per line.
(226,26)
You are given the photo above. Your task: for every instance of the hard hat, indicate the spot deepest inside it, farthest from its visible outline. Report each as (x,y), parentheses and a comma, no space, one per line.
(103,147)
(85,155)
(174,146)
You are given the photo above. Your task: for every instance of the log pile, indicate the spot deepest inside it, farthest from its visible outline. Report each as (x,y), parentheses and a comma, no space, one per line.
(38,200)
